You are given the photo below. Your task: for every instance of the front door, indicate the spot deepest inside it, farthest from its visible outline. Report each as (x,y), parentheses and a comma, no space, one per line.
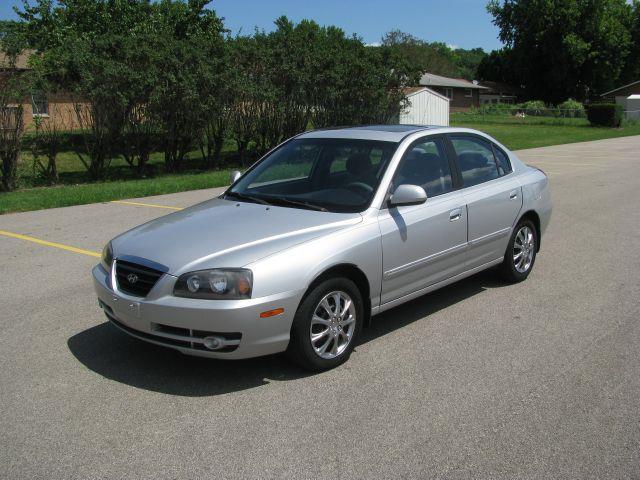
(423,244)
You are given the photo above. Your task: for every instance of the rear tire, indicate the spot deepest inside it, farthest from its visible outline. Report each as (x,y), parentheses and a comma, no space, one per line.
(326,325)
(521,252)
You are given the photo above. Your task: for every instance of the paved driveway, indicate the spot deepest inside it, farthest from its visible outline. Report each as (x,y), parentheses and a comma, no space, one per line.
(480,379)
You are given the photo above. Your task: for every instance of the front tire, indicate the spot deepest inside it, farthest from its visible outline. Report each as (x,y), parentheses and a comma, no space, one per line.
(326,325)
(521,252)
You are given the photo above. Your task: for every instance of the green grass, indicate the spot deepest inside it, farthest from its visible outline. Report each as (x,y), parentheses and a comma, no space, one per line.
(520,136)
(513,132)
(507,119)
(66,195)
(71,171)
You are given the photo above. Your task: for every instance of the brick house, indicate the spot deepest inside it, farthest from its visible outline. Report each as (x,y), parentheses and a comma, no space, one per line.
(499,92)
(462,93)
(57,108)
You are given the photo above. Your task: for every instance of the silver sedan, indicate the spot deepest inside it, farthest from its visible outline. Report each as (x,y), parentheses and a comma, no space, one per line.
(329,229)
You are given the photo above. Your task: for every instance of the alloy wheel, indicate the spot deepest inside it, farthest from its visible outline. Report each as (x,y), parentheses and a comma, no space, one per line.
(333,324)
(523,249)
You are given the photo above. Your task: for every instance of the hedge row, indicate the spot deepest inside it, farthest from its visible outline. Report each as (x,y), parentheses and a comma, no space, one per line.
(605,114)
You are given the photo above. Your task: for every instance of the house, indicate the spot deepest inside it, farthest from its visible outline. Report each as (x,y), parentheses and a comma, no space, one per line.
(626,96)
(54,109)
(462,94)
(499,92)
(632,110)
(424,107)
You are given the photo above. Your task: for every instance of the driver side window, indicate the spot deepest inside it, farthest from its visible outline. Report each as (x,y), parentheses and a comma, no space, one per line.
(425,164)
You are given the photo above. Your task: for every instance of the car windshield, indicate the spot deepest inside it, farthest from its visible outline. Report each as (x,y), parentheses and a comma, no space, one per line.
(336,175)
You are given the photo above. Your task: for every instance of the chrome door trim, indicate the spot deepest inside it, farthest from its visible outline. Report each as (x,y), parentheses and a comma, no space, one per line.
(489,237)
(435,286)
(394,272)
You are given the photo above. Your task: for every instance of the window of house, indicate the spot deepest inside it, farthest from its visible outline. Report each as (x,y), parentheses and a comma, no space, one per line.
(448,92)
(468,93)
(39,104)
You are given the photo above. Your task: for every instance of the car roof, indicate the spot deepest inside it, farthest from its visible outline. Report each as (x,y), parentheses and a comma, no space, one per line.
(388,133)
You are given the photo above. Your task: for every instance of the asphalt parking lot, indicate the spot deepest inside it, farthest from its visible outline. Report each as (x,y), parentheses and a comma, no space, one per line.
(477,380)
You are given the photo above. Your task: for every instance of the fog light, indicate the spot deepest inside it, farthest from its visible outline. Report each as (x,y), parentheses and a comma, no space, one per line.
(214,343)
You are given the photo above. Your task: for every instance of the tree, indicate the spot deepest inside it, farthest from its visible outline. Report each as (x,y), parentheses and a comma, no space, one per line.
(135,67)
(498,67)
(98,51)
(13,89)
(186,71)
(303,74)
(435,57)
(564,48)
(631,71)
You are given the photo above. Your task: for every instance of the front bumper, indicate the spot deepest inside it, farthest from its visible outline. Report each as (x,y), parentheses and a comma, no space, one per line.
(183,323)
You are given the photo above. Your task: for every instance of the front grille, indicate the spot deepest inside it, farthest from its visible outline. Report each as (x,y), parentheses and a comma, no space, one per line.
(136,279)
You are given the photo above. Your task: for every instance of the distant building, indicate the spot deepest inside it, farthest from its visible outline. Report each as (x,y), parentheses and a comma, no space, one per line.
(58,108)
(462,93)
(425,107)
(498,92)
(627,96)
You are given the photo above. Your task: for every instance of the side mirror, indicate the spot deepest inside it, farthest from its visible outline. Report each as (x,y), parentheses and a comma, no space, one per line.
(408,195)
(235,175)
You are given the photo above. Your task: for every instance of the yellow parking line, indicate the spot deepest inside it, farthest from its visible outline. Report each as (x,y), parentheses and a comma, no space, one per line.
(50,244)
(146,205)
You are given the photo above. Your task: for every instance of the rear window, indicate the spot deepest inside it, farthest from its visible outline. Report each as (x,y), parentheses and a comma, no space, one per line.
(504,165)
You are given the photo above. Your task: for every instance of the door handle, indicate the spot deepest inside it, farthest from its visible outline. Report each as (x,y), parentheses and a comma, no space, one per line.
(455,214)
(513,195)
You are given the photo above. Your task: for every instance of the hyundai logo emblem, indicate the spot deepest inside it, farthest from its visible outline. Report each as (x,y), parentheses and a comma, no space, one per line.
(132,278)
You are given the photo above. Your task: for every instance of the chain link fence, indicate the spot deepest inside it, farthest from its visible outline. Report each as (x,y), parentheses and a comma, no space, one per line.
(514,114)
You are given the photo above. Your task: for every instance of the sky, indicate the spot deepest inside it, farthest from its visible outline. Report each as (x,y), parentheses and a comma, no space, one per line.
(458,23)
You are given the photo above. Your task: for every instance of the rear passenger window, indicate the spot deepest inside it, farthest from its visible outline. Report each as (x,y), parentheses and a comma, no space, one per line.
(504,165)
(425,165)
(476,160)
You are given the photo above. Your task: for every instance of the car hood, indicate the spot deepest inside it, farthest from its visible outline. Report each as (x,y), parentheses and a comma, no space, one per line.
(223,233)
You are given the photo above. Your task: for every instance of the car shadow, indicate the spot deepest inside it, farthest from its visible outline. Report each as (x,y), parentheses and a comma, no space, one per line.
(119,357)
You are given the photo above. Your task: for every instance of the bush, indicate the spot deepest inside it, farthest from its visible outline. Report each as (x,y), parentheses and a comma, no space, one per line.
(536,108)
(498,108)
(571,108)
(605,114)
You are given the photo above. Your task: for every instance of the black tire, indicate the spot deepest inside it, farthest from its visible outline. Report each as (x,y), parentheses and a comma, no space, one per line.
(301,349)
(508,268)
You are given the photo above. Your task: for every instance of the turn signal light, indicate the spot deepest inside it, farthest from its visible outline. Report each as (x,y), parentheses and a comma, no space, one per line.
(244,287)
(272,313)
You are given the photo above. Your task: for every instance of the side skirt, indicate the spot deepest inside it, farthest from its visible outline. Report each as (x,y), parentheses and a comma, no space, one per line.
(435,286)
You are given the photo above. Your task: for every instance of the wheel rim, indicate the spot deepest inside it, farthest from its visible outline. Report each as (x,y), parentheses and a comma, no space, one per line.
(332,325)
(523,249)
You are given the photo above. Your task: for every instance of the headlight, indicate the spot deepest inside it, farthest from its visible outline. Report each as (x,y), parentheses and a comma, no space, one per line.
(107,257)
(215,284)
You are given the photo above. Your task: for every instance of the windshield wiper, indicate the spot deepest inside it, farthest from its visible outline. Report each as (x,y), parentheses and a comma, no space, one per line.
(299,203)
(244,196)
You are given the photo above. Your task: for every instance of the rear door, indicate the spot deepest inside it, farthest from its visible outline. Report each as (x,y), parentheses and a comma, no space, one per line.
(491,193)
(423,244)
